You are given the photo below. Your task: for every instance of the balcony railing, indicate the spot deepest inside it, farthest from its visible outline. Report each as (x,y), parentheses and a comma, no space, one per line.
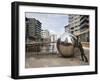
(85,19)
(84,25)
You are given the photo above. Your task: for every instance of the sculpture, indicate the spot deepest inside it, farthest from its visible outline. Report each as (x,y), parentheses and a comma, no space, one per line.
(66,44)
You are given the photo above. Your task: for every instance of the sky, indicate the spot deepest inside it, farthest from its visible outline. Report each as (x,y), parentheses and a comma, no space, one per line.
(53,22)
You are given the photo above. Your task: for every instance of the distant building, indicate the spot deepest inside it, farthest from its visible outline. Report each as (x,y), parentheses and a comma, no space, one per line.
(79,26)
(53,38)
(53,43)
(33,28)
(45,34)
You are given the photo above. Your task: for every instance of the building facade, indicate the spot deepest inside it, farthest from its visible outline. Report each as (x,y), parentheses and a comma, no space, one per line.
(32,34)
(74,22)
(79,26)
(45,34)
(33,29)
(84,28)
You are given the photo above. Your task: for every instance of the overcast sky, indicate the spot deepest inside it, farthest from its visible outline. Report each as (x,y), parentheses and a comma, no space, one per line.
(53,22)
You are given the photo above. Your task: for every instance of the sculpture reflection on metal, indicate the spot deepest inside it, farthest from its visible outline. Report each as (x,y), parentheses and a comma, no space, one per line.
(66,44)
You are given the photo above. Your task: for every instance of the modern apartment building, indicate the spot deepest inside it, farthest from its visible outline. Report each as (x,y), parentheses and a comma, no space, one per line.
(74,22)
(79,26)
(33,28)
(84,28)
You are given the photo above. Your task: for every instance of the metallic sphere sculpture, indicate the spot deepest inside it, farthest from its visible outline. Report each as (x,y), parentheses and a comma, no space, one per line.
(66,44)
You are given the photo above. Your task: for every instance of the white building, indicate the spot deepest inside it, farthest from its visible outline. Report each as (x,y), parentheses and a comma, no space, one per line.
(45,34)
(74,22)
(53,43)
(79,26)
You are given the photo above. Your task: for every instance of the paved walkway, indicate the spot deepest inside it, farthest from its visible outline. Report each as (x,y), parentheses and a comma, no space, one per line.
(45,60)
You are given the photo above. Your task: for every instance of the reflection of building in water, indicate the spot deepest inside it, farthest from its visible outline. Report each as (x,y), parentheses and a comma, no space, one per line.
(33,29)
(45,35)
(50,39)
(53,44)
(79,25)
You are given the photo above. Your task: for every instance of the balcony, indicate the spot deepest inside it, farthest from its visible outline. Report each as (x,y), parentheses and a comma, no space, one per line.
(84,25)
(84,16)
(85,19)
